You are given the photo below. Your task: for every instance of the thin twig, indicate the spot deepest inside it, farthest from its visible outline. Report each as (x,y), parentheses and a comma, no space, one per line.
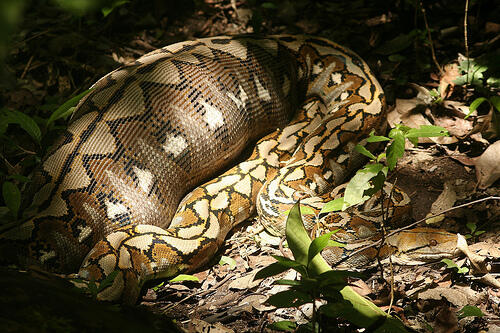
(27,67)
(465,29)
(466,37)
(418,222)
(430,39)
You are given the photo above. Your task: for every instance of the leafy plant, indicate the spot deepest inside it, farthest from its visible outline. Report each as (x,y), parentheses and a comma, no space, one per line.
(450,264)
(372,176)
(224,260)
(37,130)
(474,232)
(469,311)
(319,281)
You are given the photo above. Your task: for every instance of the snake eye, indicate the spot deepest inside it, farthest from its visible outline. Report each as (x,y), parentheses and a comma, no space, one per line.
(433,242)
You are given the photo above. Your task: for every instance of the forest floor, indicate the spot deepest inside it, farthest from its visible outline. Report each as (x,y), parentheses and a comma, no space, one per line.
(49,63)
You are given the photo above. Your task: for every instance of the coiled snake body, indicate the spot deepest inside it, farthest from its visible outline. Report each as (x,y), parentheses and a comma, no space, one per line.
(151,131)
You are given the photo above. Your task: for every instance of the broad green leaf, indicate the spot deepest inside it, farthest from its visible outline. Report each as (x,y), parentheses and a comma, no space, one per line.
(495,101)
(426,131)
(11,197)
(289,298)
(396,57)
(184,277)
(108,281)
(26,122)
(475,104)
(227,260)
(287,282)
(289,263)
(333,205)
(377,138)
(317,245)
(107,10)
(284,325)
(451,264)
(395,150)
(336,309)
(20,178)
(355,189)
(364,312)
(271,270)
(66,107)
(469,311)
(158,286)
(362,150)
(337,277)
(304,210)
(297,236)
(471,226)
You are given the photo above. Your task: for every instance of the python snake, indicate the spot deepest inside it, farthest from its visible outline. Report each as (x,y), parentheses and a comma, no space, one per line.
(167,154)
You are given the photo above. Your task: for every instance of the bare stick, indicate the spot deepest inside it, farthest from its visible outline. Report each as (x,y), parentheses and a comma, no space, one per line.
(465,37)
(430,39)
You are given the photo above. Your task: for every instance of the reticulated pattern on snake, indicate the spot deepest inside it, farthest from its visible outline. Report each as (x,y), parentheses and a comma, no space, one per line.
(167,154)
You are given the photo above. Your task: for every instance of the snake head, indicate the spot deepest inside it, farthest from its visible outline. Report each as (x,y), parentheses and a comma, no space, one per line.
(420,245)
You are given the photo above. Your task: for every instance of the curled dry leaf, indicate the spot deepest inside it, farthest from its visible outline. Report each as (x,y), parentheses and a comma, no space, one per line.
(488,166)
(444,201)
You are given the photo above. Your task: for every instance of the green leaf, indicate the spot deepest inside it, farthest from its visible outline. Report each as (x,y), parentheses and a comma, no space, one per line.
(475,104)
(495,101)
(395,150)
(271,270)
(362,150)
(67,107)
(337,309)
(471,226)
(289,298)
(284,325)
(184,277)
(26,122)
(452,265)
(286,282)
(289,263)
(317,245)
(469,311)
(11,197)
(355,189)
(377,138)
(337,277)
(426,131)
(19,178)
(396,58)
(304,210)
(333,205)
(227,260)
(297,235)
(108,281)
(107,10)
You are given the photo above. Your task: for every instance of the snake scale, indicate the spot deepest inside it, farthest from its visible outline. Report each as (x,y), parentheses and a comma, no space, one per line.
(167,154)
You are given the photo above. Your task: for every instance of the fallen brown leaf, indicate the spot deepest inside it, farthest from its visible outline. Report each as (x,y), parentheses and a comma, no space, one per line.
(488,166)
